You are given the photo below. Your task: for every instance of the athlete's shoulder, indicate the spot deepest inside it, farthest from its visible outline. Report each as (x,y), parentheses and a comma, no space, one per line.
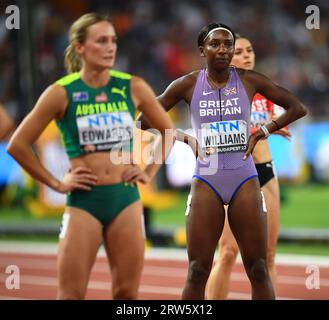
(187,81)
(192,76)
(68,79)
(255,80)
(120,74)
(138,84)
(242,72)
(54,91)
(252,76)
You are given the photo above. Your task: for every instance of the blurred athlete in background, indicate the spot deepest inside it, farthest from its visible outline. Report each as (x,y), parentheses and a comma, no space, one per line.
(94,107)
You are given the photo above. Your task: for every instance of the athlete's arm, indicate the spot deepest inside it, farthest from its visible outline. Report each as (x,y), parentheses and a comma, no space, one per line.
(51,105)
(145,101)
(192,142)
(280,96)
(179,89)
(294,108)
(6,123)
(283,132)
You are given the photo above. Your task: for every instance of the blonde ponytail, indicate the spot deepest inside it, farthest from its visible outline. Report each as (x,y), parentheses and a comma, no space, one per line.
(77,34)
(72,60)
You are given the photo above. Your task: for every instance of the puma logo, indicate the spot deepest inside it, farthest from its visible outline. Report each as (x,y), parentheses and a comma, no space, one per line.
(121,92)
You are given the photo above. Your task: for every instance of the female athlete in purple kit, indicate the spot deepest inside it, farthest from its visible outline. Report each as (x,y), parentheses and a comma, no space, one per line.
(262,111)
(219,97)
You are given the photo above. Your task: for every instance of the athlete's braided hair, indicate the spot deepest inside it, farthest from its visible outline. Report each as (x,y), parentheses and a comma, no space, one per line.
(77,34)
(204,32)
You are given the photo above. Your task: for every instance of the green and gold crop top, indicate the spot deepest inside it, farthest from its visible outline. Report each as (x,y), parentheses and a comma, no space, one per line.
(97,119)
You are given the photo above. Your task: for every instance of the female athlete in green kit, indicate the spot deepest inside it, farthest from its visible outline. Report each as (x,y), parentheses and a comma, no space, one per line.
(94,108)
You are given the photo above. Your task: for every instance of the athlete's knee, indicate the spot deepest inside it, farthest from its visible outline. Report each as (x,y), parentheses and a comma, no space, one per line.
(228,255)
(257,270)
(198,272)
(70,294)
(125,292)
(270,258)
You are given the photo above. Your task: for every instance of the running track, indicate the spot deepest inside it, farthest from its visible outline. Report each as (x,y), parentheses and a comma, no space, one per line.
(163,276)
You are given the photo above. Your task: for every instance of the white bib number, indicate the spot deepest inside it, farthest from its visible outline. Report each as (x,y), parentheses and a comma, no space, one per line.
(259,118)
(224,136)
(103,131)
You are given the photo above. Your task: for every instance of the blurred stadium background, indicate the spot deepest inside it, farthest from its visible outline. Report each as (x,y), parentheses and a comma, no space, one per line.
(157,40)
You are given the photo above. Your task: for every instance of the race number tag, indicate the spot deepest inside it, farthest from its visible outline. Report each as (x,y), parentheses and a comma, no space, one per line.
(224,136)
(259,118)
(105,131)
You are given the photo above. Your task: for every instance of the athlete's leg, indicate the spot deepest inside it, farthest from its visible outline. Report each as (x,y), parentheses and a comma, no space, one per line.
(249,226)
(272,199)
(219,279)
(204,225)
(124,245)
(79,242)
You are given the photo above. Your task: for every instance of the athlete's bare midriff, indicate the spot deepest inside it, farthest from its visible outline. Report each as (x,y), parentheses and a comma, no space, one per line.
(262,152)
(108,166)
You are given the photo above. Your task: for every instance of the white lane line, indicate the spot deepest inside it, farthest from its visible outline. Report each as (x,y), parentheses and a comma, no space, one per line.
(292,280)
(14,298)
(50,265)
(95,285)
(99,267)
(106,286)
(157,253)
(284,260)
